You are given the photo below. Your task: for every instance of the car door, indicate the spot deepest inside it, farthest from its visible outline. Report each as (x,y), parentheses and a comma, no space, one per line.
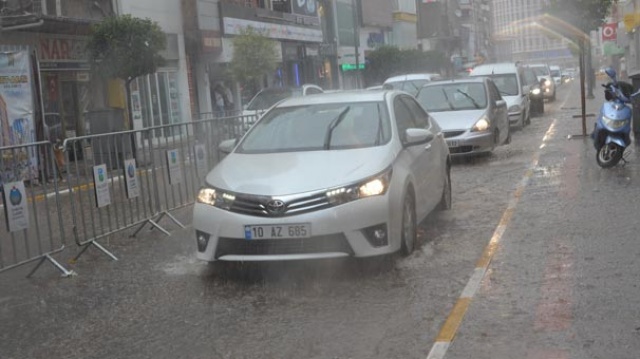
(498,113)
(429,174)
(523,80)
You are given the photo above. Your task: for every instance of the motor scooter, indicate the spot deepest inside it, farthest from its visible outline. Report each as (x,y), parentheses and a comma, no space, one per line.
(612,132)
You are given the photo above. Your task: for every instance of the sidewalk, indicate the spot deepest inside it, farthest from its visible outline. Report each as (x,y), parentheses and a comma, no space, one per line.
(562,283)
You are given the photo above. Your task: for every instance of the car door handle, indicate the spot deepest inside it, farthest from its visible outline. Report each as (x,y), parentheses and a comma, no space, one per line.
(427,147)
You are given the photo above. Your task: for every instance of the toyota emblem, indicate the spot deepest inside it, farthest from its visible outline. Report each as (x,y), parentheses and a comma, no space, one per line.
(276,207)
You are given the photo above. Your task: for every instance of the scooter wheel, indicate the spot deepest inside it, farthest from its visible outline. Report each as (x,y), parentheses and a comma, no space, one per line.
(609,155)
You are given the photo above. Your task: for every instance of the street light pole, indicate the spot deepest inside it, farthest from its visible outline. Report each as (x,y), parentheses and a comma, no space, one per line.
(356,40)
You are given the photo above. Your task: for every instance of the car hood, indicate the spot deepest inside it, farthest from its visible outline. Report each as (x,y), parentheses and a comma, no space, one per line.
(457,120)
(297,172)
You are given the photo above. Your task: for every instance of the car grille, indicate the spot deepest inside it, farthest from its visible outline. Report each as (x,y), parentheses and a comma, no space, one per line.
(461,149)
(257,205)
(449,134)
(319,244)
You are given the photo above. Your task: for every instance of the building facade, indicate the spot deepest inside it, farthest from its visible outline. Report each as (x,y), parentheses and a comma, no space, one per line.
(57,32)
(519,38)
(161,98)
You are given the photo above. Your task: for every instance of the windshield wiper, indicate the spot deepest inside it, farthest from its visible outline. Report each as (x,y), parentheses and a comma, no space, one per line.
(447,98)
(475,104)
(332,126)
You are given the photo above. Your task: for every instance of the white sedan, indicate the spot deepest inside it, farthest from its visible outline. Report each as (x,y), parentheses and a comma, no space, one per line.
(325,176)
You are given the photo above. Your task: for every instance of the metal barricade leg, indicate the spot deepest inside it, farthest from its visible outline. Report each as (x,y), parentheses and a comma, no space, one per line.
(65,273)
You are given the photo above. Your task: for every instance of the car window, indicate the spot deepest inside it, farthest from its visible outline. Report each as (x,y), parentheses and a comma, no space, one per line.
(453,97)
(420,117)
(404,117)
(411,86)
(267,98)
(530,77)
(507,84)
(540,70)
(313,91)
(493,90)
(319,127)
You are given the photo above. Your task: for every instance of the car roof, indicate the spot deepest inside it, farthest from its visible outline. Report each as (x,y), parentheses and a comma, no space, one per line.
(409,77)
(494,69)
(537,65)
(475,79)
(338,97)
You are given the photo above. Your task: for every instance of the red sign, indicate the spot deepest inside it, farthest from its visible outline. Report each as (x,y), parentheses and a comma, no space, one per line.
(610,32)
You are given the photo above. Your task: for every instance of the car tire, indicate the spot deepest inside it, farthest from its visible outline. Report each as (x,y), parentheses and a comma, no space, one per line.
(409,231)
(445,200)
(508,139)
(553,98)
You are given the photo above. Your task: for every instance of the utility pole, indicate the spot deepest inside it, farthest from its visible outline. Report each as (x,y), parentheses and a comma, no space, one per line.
(356,40)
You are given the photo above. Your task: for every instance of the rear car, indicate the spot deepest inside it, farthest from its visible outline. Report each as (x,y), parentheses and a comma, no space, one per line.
(547,84)
(471,113)
(510,81)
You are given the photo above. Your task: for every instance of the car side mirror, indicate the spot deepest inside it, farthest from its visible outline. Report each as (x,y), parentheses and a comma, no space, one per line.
(501,103)
(417,136)
(227,146)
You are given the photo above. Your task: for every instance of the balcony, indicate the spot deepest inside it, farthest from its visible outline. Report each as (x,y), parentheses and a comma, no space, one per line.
(55,16)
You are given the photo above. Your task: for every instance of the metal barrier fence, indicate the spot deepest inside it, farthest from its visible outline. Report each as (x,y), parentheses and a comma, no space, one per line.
(114,181)
(33,228)
(121,180)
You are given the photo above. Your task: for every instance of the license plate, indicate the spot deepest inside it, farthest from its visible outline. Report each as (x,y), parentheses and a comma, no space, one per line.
(278,231)
(453,144)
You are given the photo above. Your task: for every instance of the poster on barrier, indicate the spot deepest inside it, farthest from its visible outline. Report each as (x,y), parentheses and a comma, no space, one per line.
(202,163)
(15,206)
(131,178)
(101,185)
(173,165)
(17,125)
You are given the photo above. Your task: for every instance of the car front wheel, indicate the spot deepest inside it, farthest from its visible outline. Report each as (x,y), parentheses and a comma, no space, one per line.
(409,232)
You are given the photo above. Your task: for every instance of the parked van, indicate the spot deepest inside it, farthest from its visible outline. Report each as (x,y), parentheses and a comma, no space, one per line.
(514,88)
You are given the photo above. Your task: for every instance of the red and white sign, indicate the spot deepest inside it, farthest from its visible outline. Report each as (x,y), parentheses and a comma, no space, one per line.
(610,32)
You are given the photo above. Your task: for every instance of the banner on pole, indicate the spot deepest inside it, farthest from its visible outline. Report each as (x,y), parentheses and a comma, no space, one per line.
(17,125)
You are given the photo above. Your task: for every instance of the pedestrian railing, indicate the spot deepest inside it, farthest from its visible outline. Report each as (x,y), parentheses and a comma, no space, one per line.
(33,227)
(95,186)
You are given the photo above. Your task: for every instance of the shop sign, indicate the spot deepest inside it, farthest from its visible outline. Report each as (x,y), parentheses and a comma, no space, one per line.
(233,26)
(62,52)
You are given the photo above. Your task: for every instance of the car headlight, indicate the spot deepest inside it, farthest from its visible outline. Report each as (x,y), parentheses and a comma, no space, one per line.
(614,124)
(536,91)
(547,83)
(375,186)
(215,198)
(483,124)
(515,109)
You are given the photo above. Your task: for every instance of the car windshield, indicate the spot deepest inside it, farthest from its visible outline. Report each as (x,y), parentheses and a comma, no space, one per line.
(269,97)
(507,84)
(410,86)
(555,73)
(453,97)
(319,127)
(540,70)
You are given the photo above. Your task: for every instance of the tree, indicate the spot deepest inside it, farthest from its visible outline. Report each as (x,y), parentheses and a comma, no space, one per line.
(254,56)
(584,16)
(387,61)
(126,47)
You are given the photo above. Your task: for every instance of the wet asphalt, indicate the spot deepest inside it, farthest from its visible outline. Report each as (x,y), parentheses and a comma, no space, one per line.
(562,284)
